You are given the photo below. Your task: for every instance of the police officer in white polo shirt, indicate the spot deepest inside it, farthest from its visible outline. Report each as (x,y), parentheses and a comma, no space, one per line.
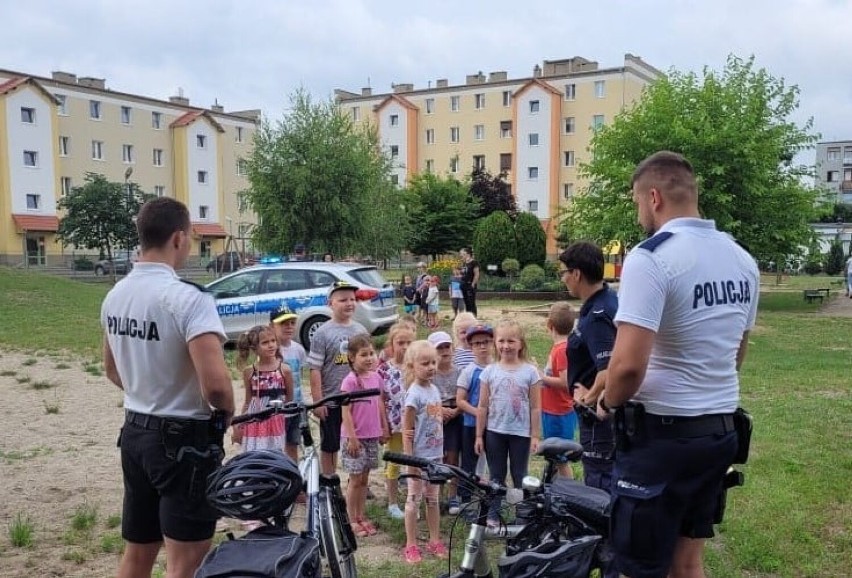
(163,347)
(687,301)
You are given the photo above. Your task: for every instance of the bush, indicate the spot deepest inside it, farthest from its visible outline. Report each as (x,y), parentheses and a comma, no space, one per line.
(492,283)
(834,262)
(813,266)
(531,278)
(551,270)
(443,268)
(494,239)
(531,240)
(555,286)
(510,267)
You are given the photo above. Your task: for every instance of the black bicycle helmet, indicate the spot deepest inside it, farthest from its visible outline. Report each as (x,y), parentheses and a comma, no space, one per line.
(551,559)
(254,485)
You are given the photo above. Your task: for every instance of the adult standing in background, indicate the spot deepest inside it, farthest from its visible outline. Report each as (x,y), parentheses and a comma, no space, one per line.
(163,348)
(470,279)
(683,324)
(849,273)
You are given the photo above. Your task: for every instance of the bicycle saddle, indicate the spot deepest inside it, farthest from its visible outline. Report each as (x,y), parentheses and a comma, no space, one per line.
(555,447)
(590,504)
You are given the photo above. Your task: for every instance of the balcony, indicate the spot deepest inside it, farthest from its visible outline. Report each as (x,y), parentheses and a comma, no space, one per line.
(846,186)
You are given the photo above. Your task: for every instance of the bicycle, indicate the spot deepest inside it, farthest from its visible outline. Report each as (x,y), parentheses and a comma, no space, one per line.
(560,529)
(237,494)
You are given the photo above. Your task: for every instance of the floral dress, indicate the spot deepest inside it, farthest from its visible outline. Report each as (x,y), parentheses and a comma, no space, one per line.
(268,434)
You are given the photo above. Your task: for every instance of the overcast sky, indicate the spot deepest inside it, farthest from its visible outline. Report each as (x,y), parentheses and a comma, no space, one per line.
(253,53)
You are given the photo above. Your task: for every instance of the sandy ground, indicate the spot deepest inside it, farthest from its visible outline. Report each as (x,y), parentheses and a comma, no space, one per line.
(58,456)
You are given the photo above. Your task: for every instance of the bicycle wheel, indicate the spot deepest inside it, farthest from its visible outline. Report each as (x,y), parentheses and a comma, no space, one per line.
(337,547)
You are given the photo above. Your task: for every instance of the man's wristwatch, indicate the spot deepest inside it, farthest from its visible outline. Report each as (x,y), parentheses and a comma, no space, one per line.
(604,406)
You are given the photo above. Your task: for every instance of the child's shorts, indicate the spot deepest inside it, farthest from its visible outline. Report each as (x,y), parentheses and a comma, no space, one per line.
(365,461)
(558,426)
(433,308)
(410,307)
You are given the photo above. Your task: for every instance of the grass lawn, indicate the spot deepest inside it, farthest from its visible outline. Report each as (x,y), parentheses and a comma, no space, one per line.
(793,518)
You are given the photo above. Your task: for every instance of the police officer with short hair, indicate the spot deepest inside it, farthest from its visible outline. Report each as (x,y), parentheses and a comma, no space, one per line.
(163,348)
(683,322)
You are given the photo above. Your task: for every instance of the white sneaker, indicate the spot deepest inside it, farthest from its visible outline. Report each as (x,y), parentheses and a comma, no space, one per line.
(395,513)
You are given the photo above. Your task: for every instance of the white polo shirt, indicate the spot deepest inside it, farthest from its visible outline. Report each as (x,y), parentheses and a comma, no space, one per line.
(149,318)
(697,290)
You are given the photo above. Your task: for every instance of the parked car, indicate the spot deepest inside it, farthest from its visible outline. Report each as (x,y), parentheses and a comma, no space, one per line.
(246,297)
(122,266)
(226,263)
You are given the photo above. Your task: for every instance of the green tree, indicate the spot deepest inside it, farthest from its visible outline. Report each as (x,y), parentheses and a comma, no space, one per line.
(312,177)
(494,239)
(441,214)
(834,261)
(735,128)
(385,226)
(492,192)
(531,240)
(99,215)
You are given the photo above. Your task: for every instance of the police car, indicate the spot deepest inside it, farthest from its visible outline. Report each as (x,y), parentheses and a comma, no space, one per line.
(246,297)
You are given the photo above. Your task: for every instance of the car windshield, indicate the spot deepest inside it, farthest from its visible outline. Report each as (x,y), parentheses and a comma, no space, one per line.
(368,276)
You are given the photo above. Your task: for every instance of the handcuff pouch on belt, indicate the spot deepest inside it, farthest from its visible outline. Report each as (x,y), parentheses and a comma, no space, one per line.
(629,425)
(743,424)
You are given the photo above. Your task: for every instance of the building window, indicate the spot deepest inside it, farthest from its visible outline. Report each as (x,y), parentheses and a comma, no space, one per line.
(28,115)
(479,100)
(532,206)
(203,212)
(600,88)
(127,153)
(95,109)
(569,125)
(832,176)
(478,161)
(356,113)
(505,162)
(847,154)
(568,190)
(535,106)
(430,136)
(201,141)
(97,150)
(570,91)
(532,173)
(597,121)
(394,120)
(454,165)
(833,154)
(62,107)
(430,165)
(569,158)
(395,179)
(479,132)
(454,103)
(533,139)
(156,120)
(64,185)
(33,202)
(64,146)
(454,134)
(847,174)
(159,191)
(30,159)
(125,115)
(242,167)
(394,150)
(507,98)
(239,134)
(202,177)
(505,129)
(430,105)
(158,157)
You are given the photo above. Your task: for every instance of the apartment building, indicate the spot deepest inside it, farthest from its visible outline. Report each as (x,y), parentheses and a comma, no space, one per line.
(55,130)
(834,169)
(536,129)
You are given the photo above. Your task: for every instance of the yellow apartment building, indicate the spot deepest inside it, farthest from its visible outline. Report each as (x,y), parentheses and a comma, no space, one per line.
(536,129)
(55,130)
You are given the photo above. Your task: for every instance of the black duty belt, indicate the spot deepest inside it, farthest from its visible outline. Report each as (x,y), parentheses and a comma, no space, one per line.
(154,422)
(665,426)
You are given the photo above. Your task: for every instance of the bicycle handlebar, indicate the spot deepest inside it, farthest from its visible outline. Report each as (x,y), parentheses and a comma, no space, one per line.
(294,408)
(439,473)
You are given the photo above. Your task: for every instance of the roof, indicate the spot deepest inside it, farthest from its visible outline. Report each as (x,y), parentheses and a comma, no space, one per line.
(45,223)
(400,99)
(537,82)
(14,83)
(193,115)
(208,230)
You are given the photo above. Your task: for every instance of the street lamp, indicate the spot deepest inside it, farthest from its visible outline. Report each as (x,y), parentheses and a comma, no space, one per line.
(127,174)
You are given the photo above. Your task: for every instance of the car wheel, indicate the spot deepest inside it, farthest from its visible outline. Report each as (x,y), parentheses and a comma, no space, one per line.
(99,271)
(309,327)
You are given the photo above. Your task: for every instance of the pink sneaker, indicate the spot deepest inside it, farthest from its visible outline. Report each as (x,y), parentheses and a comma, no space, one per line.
(412,555)
(437,549)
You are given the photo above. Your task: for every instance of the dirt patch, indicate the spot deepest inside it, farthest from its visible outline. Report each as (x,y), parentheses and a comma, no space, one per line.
(837,306)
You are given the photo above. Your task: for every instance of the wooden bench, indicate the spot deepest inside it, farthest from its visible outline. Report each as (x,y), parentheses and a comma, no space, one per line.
(811,295)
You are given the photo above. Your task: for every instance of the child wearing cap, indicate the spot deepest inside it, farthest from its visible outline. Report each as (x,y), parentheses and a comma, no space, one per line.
(294,355)
(480,338)
(329,364)
(446,380)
